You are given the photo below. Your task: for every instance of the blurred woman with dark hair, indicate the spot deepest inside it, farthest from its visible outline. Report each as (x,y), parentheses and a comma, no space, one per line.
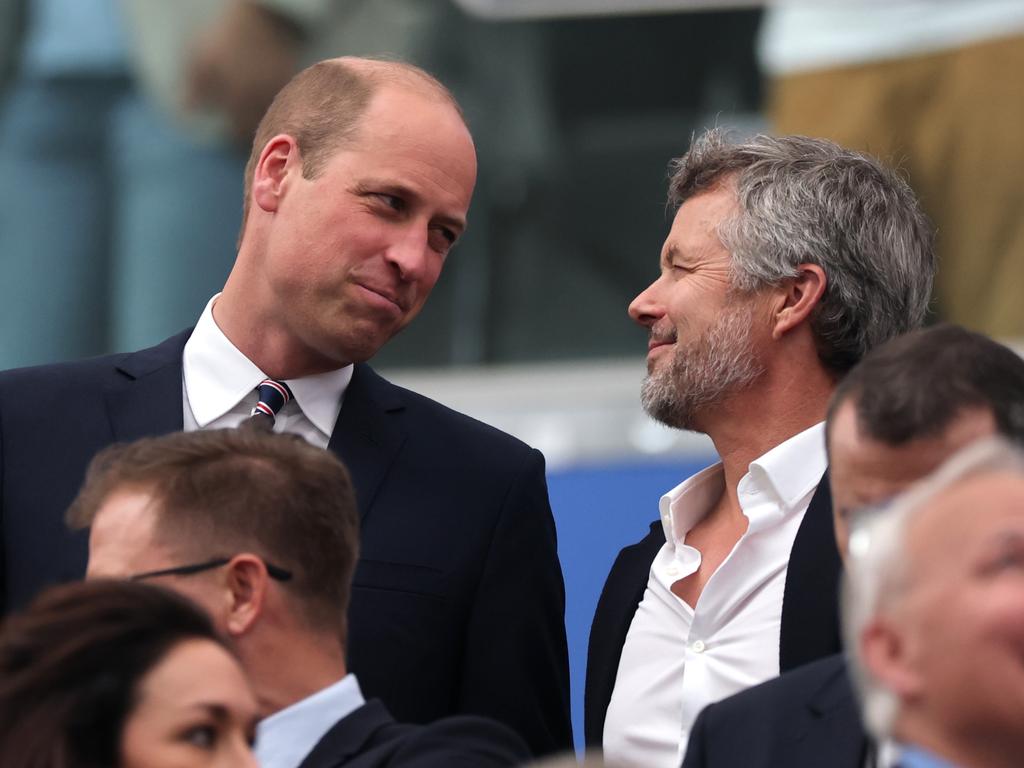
(120,675)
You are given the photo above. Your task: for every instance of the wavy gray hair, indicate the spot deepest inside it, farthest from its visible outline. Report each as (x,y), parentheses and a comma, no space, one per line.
(809,201)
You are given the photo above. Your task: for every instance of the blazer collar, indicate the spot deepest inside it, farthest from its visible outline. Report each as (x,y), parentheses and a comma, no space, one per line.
(810,603)
(833,725)
(147,399)
(369,431)
(349,736)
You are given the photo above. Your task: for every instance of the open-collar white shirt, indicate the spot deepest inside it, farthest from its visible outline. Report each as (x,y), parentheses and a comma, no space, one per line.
(284,739)
(219,388)
(677,659)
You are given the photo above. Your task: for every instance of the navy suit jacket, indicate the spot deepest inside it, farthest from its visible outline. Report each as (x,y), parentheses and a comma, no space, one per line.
(370,738)
(810,610)
(806,718)
(458,599)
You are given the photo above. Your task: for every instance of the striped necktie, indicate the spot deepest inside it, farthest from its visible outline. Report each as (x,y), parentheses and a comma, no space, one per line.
(272,398)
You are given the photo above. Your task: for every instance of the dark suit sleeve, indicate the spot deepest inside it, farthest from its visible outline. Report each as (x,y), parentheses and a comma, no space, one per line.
(696,746)
(516,667)
(454,742)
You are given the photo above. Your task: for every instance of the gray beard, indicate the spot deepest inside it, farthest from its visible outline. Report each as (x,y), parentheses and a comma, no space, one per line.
(704,371)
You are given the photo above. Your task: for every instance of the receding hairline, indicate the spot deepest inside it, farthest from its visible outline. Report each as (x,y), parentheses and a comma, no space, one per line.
(382,72)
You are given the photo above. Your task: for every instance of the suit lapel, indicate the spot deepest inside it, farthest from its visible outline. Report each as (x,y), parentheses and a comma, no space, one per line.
(810,603)
(349,737)
(148,398)
(833,726)
(369,432)
(620,597)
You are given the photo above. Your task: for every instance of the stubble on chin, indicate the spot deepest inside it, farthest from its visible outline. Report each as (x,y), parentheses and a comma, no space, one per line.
(703,372)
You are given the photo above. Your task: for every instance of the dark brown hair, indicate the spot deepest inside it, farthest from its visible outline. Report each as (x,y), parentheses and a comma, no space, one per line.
(915,385)
(71,664)
(221,492)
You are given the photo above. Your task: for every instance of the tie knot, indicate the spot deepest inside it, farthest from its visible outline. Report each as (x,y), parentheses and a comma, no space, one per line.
(272,398)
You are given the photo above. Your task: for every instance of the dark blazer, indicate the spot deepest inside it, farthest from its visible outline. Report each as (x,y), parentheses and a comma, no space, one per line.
(806,718)
(370,738)
(810,612)
(458,598)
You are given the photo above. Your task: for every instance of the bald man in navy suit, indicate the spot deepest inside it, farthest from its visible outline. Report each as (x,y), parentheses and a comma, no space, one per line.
(358,186)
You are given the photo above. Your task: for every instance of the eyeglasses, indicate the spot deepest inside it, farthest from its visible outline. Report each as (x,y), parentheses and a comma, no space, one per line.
(275,572)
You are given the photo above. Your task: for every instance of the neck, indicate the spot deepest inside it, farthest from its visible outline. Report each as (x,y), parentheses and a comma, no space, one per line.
(785,402)
(312,663)
(262,338)
(970,750)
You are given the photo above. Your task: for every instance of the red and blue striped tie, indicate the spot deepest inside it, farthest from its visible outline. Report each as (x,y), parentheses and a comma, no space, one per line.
(272,398)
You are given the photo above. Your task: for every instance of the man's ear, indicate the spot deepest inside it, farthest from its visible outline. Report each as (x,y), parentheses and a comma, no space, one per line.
(279,157)
(246,581)
(884,653)
(802,294)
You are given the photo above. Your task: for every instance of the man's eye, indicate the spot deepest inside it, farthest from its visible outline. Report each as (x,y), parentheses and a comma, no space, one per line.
(202,736)
(391,201)
(441,239)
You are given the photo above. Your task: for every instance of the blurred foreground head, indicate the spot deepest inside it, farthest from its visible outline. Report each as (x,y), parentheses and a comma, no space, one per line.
(912,403)
(118,675)
(935,610)
(260,529)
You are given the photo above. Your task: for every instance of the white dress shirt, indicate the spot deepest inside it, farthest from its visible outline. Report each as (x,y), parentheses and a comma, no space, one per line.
(676,660)
(285,738)
(219,388)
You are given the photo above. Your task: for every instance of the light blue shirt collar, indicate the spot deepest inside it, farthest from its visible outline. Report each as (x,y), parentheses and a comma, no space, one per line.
(285,738)
(915,757)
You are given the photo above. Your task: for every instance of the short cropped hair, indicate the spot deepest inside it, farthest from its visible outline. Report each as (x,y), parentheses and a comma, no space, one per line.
(809,201)
(274,495)
(914,386)
(322,105)
(71,665)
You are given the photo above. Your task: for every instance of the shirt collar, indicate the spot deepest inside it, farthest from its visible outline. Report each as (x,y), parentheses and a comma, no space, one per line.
(788,472)
(285,738)
(791,469)
(218,376)
(915,757)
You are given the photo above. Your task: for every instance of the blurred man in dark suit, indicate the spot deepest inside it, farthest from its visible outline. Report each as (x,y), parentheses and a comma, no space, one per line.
(904,409)
(262,531)
(358,186)
(934,610)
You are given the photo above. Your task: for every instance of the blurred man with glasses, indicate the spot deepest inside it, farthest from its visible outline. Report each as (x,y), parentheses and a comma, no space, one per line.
(262,530)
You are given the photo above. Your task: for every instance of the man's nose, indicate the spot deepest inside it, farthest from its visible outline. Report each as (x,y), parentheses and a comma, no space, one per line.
(646,309)
(410,252)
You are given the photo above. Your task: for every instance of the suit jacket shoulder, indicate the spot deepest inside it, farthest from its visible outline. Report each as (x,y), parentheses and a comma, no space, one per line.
(370,738)
(804,719)
(53,420)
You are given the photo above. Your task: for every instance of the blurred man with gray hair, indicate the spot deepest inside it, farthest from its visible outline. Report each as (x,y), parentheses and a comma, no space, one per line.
(935,614)
(907,407)
(788,259)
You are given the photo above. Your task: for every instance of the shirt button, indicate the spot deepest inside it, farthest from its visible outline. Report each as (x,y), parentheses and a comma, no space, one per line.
(673,570)
(698,646)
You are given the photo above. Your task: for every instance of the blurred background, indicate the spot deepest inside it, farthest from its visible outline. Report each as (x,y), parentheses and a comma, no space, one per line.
(124,128)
